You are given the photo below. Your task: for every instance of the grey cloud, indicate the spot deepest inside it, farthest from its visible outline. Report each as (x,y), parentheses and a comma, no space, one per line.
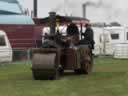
(98,10)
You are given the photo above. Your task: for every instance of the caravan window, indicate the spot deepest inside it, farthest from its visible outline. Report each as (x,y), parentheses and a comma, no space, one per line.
(115,36)
(2,41)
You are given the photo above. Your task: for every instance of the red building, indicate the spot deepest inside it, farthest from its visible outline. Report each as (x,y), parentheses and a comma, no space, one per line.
(22,35)
(22,31)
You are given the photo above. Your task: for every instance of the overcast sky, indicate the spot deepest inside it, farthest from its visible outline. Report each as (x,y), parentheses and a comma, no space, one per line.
(97,10)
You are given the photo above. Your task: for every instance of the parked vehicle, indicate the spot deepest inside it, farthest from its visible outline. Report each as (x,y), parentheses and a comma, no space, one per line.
(5,48)
(119,41)
(118,34)
(103,41)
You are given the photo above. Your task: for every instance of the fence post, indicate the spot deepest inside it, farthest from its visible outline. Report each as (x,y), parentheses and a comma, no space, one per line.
(28,54)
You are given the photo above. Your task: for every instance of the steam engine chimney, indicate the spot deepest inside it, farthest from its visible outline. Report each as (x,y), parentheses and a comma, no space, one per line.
(35,8)
(52,22)
(84,10)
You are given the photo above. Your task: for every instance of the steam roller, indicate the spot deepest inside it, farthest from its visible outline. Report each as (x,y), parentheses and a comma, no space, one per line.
(59,53)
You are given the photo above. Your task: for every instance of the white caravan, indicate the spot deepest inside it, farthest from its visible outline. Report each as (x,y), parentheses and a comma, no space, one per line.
(5,48)
(102,40)
(119,41)
(118,34)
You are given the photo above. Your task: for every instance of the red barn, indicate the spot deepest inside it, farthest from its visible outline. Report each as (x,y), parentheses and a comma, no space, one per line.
(22,32)
(20,36)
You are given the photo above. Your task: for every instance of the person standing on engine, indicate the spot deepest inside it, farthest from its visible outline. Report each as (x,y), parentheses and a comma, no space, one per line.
(89,35)
(73,32)
(72,29)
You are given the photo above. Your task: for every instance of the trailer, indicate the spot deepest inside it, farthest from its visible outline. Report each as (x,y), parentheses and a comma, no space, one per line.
(119,41)
(5,48)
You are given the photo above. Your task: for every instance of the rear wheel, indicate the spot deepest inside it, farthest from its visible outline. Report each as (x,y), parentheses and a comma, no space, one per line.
(86,61)
(87,67)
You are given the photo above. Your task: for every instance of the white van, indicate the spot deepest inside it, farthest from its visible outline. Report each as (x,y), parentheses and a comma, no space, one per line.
(5,48)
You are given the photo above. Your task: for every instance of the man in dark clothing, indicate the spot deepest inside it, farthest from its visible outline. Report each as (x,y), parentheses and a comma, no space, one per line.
(72,29)
(73,33)
(89,35)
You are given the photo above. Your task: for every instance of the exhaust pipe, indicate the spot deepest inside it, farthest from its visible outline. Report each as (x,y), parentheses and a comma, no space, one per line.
(35,7)
(52,22)
(84,10)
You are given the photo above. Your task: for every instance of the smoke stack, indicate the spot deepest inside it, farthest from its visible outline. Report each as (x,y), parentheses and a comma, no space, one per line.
(84,10)
(84,7)
(52,22)
(35,8)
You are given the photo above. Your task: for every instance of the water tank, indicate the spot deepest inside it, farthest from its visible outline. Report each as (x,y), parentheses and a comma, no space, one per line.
(121,51)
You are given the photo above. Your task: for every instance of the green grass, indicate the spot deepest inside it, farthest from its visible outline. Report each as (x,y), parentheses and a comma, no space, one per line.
(109,78)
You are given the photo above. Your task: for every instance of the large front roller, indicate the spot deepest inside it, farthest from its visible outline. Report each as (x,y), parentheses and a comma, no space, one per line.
(45,64)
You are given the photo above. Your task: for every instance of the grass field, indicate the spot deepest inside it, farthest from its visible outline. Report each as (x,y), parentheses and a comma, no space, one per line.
(109,78)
